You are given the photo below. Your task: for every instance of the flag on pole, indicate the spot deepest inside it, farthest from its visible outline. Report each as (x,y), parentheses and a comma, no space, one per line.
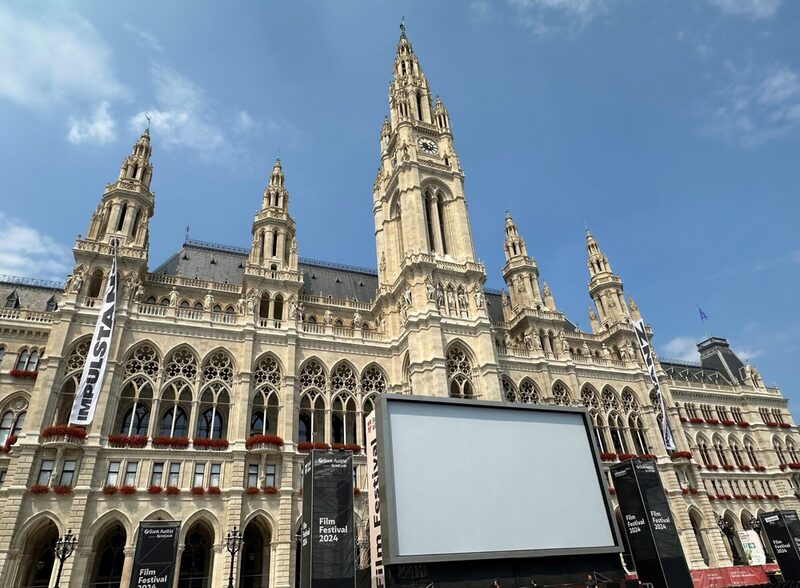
(94,370)
(703,316)
(650,364)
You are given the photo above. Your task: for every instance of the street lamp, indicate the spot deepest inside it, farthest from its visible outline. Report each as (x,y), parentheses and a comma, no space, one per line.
(233,542)
(727,530)
(755,524)
(65,547)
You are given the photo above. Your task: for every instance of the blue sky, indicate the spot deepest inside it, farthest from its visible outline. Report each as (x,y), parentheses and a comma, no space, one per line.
(670,128)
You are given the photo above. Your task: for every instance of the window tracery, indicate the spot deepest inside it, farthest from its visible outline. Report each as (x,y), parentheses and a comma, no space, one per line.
(509,390)
(459,370)
(528,393)
(561,395)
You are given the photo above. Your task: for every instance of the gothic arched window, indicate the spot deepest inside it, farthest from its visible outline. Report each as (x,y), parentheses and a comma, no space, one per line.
(459,370)
(209,425)
(136,420)
(266,405)
(561,395)
(174,423)
(528,394)
(637,433)
(509,389)
(615,428)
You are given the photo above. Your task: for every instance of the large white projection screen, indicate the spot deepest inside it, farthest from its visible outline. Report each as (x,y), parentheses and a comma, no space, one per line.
(467,478)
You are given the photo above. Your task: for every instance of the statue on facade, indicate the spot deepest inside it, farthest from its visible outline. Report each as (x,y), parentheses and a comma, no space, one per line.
(138,294)
(173,297)
(382,264)
(537,342)
(564,342)
(241,305)
(504,300)
(381,323)
(439,295)
(327,318)
(357,320)
(462,300)
(631,351)
(585,349)
(548,297)
(293,307)
(606,352)
(592,314)
(451,300)
(507,340)
(208,302)
(528,340)
(77,280)
(431,289)
(478,296)
(252,296)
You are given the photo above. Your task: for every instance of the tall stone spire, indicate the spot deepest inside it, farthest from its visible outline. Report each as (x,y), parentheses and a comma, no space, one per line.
(605,287)
(274,245)
(409,95)
(520,271)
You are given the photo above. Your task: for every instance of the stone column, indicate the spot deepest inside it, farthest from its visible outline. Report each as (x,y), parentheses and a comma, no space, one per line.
(127,566)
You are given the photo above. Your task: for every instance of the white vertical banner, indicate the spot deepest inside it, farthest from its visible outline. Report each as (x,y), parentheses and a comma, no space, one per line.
(650,364)
(375,544)
(94,370)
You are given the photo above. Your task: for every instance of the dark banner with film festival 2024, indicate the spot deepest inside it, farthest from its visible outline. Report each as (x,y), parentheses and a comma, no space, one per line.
(156,551)
(653,539)
(327,556)
(783,532)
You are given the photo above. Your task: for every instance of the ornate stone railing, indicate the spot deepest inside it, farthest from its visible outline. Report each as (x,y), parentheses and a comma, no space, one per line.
(265,272)
(32,316)
(192,283)
(331,301)
(106,249)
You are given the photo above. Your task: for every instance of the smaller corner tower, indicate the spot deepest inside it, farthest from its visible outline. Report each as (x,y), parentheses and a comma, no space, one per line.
(605,289)
(520,272)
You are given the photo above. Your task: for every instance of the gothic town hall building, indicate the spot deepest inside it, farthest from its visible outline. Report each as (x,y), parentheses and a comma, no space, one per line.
(228,364)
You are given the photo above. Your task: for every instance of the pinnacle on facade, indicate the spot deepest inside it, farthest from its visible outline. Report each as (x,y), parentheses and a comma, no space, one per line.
(275,194)
(515,244)
(597,261)
(137,166)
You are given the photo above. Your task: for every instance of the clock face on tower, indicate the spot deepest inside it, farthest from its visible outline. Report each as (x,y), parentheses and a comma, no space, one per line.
(428,145)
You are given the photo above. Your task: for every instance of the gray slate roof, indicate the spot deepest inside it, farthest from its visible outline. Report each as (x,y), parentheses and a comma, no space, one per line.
(32,294)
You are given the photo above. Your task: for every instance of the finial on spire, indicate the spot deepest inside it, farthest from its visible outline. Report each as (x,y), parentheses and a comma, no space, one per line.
(147,116)
(403,25)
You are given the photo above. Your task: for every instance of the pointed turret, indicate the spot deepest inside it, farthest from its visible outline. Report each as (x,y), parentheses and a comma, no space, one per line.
(605,287)
(274,245)
(409,95)
(520,271)
(440,115)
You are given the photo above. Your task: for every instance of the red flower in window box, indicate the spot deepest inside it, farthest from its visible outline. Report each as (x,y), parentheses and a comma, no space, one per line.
(728,422)
(625,456)
(308,446)
(354,447)
(12,439)
(127,490)
(740,497)
(694,491)
(728,467)
(794,466)
(214,490)
(263,440)
(646,456)
(198,490)
(252,490)
(773,496)
(171,442)
(760,468)
(756,497)
(696,421)
(62,490)
(785,426)
(783,466)
(39,489)
(772,424)
(744,467)
(63,431)
(711,497)
(608,456)
(270,490)
(683,419)
(110,490)
(712,422)
(173,490)
(203,443)
(720,497)
(743,424)
(684,491)
(23,374)
(127,440)
(681,455)
(712,467)
(153,489)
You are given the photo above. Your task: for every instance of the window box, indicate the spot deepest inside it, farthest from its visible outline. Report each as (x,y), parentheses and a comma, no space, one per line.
(214,490)
(694,491)
(110,490)
(173,490)
(171,442)
(626,456)
(67,432)
(23,374)
(137,441)
(354,447)
(646,456)
(728,467)
(62,490)
(309,445)
(127,490)
(216,444)
(740,497)
(728,422)
(608,456)
(684,491)
(783,466)
(696,421)
(681,455)
(794,466)
(761,468)
(756,497)
(198,491)
(744,468)
(12,439)
(270,490)
(785,426)
(743,424)
(39,489)
(770,424)
(712,497)
(712,422)
(712,467)
(256,440)
(683,419)
(153,489)
(773,496)
(252,490)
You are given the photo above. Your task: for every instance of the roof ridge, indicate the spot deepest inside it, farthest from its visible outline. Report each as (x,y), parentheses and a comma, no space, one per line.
(34,282)
(341,266)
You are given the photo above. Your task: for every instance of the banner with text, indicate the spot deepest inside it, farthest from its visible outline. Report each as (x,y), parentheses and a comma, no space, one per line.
(156,551)
(653,539)
(649,361)
(784,542)
(94,370)
(375,545)
(327,540)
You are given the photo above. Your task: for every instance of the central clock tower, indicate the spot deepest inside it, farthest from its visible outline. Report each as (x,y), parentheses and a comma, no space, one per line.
(430,283)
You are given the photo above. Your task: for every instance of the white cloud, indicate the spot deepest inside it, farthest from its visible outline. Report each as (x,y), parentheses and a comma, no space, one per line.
(756,104)
(97,130)
(147,39)
(680,348)
(26,252)
(244,122)
(747,353)
(549,17)
(748,8)
(47,61)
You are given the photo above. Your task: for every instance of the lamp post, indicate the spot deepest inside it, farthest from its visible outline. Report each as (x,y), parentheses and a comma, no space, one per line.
(233,542)
(65,547)
(755,524)
(727,530)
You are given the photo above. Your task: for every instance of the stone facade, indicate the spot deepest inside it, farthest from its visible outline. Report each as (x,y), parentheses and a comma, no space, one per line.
(226,360)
